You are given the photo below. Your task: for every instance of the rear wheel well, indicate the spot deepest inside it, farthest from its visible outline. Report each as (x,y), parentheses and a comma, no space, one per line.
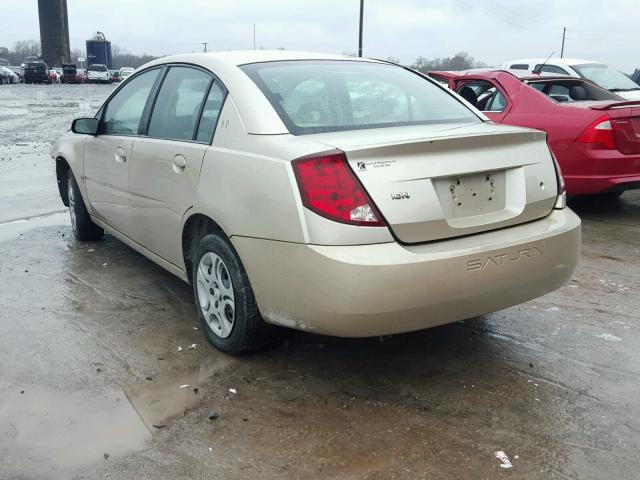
(194,229)
(62,172)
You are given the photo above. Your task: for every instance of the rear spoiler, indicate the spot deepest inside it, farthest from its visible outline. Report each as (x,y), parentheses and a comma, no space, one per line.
(614,105)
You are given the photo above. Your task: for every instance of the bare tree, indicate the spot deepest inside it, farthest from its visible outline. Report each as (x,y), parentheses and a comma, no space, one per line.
(460,61)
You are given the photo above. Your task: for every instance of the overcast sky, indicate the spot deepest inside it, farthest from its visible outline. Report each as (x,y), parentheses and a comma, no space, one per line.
(491,31)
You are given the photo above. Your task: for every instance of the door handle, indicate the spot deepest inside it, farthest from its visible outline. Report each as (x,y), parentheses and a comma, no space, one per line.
(120,155)
(179,163)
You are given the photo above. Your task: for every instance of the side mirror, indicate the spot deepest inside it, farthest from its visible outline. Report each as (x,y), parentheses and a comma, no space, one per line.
(85,126)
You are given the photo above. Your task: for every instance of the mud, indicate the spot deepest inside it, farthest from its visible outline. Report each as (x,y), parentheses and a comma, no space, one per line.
(90,334)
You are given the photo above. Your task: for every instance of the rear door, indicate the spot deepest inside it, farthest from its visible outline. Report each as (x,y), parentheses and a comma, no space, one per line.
(167,160)
(107,156)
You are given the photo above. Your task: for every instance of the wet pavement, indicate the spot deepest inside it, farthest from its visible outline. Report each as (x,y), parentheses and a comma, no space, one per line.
(92,384)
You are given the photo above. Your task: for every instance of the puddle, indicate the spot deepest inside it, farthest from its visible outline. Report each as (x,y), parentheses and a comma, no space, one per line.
(160,401)
(44,431)
(14,228)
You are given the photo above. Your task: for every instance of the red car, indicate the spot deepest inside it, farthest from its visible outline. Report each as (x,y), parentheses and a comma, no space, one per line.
(594,134)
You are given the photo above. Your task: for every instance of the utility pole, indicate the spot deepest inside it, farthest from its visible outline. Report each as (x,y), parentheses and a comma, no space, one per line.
(360,36)
(204,44)
(564,32)
(254,36)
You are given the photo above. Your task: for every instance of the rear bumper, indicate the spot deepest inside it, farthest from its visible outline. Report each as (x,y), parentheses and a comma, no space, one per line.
(368,290)
(591,184)
(589,170)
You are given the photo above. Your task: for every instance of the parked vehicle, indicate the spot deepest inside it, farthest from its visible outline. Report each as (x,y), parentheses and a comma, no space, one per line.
(8,76)
(340,196)
(36,71)
(594,134)
(98,73)
(70,74)
(125,72)
(115,76)
(599,73)
(55,74)
(19,71)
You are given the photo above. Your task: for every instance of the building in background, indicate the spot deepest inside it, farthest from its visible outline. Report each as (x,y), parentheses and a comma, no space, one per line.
(54,31)
(99,50)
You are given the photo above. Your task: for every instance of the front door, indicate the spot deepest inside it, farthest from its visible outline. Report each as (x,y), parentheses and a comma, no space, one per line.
(107,156)
(166,162)
(106,170)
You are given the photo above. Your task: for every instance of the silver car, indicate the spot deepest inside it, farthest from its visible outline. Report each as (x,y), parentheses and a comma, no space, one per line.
(329,194)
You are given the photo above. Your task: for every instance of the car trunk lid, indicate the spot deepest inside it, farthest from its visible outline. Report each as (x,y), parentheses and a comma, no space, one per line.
(625,123)
(441,181)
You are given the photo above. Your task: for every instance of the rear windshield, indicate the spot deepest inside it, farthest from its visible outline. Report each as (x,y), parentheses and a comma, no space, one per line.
(98,68)
(314,96)
(572,90)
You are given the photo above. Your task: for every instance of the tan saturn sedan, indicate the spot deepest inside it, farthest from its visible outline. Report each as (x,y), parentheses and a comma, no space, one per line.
(335,195)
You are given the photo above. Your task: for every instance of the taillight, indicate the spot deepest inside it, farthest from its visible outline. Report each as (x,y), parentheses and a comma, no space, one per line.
(329,188)
(599,132)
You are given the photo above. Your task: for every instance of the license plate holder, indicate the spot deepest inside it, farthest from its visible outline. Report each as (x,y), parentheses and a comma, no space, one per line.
(469,195)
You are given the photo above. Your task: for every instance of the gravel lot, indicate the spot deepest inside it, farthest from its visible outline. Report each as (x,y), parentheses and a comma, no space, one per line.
(90,371)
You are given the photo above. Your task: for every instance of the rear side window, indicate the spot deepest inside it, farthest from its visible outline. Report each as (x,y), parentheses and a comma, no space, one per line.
(124,111)
(329,96)
(210,113)
(551,69)
(177,108)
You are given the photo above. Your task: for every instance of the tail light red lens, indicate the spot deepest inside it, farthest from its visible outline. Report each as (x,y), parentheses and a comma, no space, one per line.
(329,188)
(599,132)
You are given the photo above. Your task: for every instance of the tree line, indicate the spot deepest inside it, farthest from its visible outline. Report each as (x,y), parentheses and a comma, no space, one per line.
(24,49)
(123,58)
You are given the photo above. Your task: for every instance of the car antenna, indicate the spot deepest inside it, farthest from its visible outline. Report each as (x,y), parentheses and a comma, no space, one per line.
(538,69)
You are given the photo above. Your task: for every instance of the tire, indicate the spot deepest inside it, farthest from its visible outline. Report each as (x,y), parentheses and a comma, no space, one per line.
(81,223)
(221,288)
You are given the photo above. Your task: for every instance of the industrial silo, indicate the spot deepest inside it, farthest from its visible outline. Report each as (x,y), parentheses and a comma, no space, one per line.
(99,50)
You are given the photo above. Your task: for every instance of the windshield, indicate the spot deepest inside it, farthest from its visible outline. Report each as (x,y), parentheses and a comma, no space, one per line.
(98,68)
(315,96)
(606,77)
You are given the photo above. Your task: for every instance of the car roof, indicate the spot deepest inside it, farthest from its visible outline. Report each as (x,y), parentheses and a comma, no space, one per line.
(552,61)
(242,57)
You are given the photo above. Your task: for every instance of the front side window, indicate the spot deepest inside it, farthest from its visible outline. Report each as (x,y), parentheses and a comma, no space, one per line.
(124,111)
(315,96)
(177,108)
(484,96)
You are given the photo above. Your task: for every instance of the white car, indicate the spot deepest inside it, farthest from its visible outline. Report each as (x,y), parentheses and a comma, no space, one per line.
(604,75)
(125,72)
(98,73)
(8,76)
